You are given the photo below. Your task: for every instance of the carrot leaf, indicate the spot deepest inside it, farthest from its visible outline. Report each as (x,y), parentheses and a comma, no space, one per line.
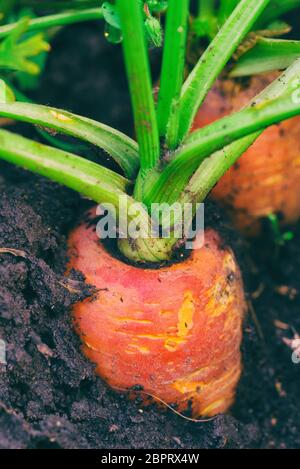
(15,52)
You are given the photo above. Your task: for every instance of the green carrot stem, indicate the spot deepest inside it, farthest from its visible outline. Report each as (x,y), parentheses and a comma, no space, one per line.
(226,8)
(119,146)
(173,61)
(138,71)
(276,9)
(267,55)
(59,19)
(214,58)
(94,181)
(75,172)
(60,5)
(168,184)
(206,8)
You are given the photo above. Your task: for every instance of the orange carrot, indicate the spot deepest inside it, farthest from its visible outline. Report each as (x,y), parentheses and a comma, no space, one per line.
(175,331)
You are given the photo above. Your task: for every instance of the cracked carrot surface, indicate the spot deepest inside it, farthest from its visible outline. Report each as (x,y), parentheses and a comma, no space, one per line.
(174,331)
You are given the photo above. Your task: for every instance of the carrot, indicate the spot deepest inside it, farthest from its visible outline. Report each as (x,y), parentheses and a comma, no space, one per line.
(266,179)
(173,332)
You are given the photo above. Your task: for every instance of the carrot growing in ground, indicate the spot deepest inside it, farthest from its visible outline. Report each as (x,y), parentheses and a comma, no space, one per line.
(266,180)
(167,324)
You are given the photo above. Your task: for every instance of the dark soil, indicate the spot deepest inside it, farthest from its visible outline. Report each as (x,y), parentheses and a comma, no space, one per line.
(49,394)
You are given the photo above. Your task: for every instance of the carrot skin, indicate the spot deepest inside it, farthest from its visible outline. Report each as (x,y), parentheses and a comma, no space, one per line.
(174,331)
